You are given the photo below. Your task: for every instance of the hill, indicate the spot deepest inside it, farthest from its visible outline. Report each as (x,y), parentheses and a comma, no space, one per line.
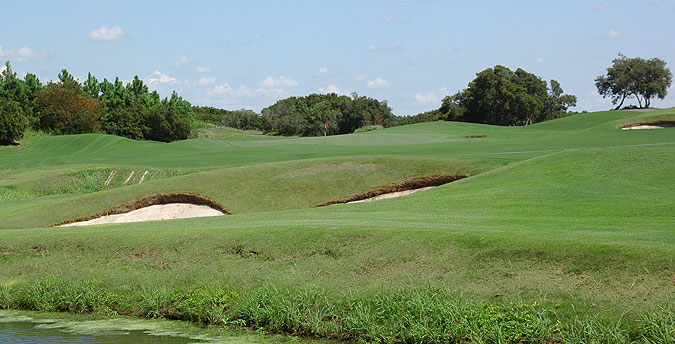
(562,232)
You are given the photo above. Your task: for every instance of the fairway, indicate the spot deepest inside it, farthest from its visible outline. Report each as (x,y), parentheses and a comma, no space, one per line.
(562,231)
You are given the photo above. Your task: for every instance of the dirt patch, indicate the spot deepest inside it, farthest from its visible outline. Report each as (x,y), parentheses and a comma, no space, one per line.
(475,136)
(155,200)
(649,125)
(412,184)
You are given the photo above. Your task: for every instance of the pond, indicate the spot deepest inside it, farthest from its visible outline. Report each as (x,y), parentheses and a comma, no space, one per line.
(56,328)
(15,332)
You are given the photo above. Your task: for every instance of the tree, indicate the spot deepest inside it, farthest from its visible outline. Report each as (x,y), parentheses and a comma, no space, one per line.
(655,79)
(166,123)
(65,108)
(127,121)
(91,87)
(12,121)
(307,115)
(559,102)
(503,97)
(635,77)
(12,87)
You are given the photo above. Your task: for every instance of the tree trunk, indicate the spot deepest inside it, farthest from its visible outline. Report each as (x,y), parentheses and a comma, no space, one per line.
(622,99)
(639,100)
(647,102)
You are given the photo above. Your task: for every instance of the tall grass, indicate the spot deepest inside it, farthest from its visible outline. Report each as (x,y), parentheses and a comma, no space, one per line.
(418,315)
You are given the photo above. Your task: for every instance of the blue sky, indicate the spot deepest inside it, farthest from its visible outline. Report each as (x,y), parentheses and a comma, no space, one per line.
(249,54)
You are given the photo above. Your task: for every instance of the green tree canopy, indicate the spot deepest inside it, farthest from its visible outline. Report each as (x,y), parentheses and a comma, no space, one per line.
(504,97)
(501,96)
(635,77)
(12,121)
(66,109)
(306,116)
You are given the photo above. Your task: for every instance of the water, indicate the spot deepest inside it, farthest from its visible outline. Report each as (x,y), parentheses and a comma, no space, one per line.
(15,331)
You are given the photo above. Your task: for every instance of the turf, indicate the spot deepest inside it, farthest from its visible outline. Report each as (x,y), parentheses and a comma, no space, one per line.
(574,215)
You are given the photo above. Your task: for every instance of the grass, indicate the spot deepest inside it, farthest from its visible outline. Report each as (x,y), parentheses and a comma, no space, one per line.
(563,232)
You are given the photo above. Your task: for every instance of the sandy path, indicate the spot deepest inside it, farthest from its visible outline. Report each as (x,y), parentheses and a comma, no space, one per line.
(153,213)
(392,195)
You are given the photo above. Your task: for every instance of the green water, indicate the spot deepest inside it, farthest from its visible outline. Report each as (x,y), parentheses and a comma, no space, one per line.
(30,332)
(56,328)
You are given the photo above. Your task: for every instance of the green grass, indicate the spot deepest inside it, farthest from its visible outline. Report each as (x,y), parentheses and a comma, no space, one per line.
(564,231)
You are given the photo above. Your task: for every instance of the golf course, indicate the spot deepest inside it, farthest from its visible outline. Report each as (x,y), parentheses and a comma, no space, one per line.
(557,232)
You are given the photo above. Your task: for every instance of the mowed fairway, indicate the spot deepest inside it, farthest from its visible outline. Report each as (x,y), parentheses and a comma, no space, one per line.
(564,231)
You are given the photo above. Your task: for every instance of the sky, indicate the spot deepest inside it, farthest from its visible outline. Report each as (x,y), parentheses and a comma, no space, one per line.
(249,54)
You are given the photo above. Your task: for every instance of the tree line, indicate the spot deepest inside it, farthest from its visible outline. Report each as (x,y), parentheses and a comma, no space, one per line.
(497,96)
(67,106)
(311,115)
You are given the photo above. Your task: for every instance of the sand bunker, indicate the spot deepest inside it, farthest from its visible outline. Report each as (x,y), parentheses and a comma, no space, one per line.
(151,208)
(397,190)
(649,125)
(392,195)
(154,213)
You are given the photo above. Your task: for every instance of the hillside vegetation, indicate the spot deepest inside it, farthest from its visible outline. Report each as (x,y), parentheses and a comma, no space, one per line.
(564,231)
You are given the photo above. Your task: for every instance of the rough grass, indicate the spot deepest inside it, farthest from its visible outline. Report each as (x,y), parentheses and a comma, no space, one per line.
(419,315)
(563,232)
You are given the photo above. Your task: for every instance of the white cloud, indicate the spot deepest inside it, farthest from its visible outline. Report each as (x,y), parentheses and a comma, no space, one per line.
(396,46)
(540,60)
(259,37)
(378,83)
(226,91)
(360,77)
(181,61)
(282,81)
(206,81)
(427,98)
(431,97)
(322,71)
(601,5)
(333,89)
(223,90)
(202,69)
(244,91)
(23,54)
(614,34)
(106,34)
(158,77)
(2,68)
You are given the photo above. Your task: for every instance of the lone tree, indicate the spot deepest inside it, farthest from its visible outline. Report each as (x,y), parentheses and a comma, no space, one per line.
(503,97)
(635,77)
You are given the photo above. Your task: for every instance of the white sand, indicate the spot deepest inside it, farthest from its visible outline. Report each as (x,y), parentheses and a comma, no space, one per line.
(153,213)
(392,195)
(650,126)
